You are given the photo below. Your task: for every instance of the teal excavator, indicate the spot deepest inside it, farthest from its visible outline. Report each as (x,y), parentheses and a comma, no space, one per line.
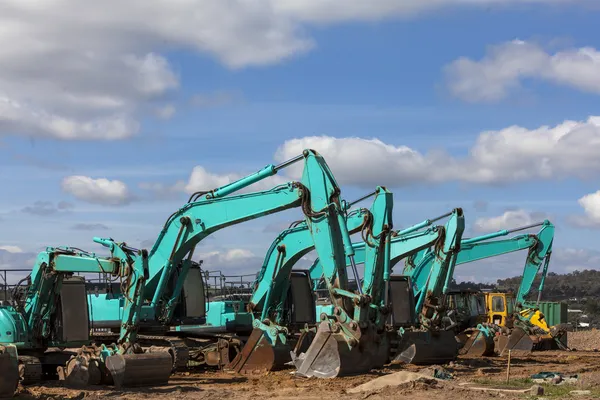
(420,335)
(526,322)
(49,313)
(166,266)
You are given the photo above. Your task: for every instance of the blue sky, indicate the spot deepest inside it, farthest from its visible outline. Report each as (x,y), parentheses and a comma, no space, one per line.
(143,101)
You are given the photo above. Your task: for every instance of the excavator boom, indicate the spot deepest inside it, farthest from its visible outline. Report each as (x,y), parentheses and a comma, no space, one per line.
(352,340)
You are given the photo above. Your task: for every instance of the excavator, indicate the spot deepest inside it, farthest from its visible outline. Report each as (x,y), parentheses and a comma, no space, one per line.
(173,283)
(48,314)
(417,323)
(526,325)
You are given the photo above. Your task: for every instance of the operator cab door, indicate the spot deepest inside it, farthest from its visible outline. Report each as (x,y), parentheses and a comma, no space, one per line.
(498,309)
(301,300)
(403,301)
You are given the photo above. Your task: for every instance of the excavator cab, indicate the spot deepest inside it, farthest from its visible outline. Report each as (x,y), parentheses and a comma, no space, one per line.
(301,300)
(403,302)
(501,307)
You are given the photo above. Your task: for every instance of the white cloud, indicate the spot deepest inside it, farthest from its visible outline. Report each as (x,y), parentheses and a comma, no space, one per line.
(97,191)
(566,260)
(505,66)
(201,179)
(86,70)
(508,220)
(366,162)
(11,249)
(19,117)
(231,261)
(591,207)
(513,154)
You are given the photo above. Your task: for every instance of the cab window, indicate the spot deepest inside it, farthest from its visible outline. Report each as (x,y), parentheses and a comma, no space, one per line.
(481,305)
(497,304)
(510,305)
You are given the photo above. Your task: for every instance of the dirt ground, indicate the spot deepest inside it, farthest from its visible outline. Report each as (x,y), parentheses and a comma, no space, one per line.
(467,375)
(584,340)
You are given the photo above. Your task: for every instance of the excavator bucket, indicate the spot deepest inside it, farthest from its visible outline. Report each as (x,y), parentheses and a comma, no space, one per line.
(9,372)
(517,341)
(478,344)
(423,347)
(147,369)
(260,355)
(329,355)
(81,371)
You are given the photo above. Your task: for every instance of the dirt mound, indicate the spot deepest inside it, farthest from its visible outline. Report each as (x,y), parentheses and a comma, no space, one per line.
(584,340)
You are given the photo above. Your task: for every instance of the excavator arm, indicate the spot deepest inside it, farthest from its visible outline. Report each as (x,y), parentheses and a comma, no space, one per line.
(272,283)
(478,248)
(350,341)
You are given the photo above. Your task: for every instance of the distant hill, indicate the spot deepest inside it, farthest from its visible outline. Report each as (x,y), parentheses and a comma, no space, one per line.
(574,285)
